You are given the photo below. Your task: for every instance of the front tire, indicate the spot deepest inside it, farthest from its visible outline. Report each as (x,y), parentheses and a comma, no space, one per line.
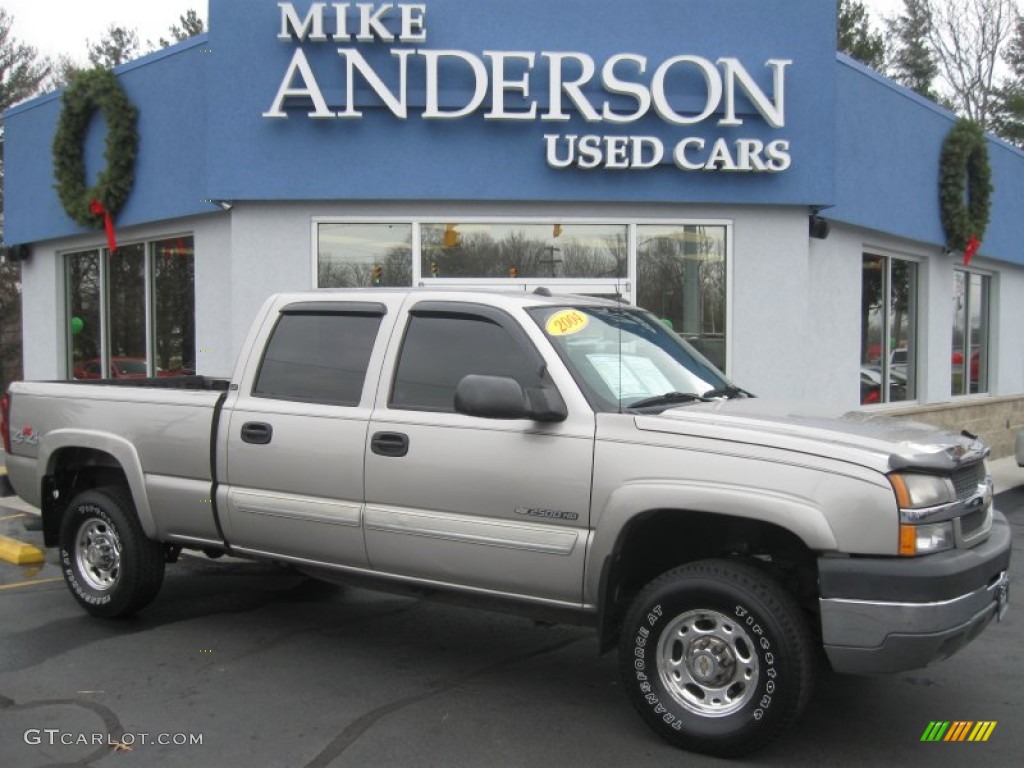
(109,565)
(717,658)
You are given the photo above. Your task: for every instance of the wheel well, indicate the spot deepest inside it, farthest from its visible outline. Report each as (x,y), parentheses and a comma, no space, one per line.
(657,541)
(73,470)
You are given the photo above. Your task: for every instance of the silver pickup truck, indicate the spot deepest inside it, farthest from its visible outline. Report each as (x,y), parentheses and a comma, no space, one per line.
(566,457)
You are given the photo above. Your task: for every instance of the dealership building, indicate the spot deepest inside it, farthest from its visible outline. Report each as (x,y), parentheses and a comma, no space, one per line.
(717,163)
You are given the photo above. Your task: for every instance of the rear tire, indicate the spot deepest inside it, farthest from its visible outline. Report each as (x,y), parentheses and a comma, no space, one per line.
(717,658)
(109,565)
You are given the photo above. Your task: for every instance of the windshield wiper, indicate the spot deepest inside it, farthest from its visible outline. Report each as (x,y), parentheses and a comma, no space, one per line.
(729,391)
(669,398)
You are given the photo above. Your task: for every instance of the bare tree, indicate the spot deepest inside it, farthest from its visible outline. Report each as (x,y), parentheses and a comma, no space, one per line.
(968,37)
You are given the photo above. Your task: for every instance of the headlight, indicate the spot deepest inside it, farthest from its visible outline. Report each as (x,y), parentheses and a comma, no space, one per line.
(921,491)
(926,539)
(920,498)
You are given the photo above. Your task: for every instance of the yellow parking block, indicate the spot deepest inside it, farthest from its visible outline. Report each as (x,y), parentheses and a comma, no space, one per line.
(18,552)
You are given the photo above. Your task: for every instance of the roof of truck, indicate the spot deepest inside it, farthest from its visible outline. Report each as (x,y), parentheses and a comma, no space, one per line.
(491,296)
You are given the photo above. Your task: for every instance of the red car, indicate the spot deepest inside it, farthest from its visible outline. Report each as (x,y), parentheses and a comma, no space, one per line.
(958,362)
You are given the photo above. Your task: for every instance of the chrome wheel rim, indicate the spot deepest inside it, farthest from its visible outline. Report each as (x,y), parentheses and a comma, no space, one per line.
(98,554)
(708,663)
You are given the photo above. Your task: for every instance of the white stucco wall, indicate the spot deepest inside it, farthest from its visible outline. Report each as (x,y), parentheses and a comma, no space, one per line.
(42,313)
(774,342)
(215,355)
(794,302)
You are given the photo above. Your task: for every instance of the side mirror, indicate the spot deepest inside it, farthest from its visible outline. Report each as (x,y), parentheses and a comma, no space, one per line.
(502,397)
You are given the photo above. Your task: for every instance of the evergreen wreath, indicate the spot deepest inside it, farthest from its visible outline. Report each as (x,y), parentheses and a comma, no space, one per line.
(965,184)
(89,91)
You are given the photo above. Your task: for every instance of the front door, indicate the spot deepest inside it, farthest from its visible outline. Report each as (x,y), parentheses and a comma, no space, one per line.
(491,504)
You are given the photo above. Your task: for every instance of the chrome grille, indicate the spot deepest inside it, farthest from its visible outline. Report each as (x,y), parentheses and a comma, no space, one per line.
(967,479)
(972,522)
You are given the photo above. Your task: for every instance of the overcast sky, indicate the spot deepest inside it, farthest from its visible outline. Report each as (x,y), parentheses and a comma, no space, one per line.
(880,8)
(63,26)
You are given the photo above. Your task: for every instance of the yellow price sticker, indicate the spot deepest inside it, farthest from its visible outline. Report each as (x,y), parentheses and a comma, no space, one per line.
(566,322)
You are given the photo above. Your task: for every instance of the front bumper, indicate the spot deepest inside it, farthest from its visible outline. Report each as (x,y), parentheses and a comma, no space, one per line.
(881,615)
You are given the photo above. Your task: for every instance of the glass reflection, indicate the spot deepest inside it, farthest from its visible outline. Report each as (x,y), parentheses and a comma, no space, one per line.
(888,356)
(681,277)
(174,311)
(126,311)
(491,250)
(355,255)
(82,272)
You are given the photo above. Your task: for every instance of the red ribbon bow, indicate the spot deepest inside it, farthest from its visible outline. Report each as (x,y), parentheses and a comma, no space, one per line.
(98,209)
(971,250)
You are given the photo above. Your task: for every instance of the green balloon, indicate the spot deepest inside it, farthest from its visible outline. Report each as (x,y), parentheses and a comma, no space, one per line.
(77,324)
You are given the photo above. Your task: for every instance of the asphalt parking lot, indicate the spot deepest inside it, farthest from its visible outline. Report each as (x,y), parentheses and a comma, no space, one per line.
(249,664)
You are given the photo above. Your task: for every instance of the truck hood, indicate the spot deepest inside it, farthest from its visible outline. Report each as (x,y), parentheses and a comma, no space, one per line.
(878,441)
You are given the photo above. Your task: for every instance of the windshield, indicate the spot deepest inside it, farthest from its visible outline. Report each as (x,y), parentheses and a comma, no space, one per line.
(624,357)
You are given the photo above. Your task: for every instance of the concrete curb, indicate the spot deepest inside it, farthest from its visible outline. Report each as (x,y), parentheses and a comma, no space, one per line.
(19,553)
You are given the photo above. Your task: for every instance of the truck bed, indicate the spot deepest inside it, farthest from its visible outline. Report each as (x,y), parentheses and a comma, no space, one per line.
(163,423)
(159,382)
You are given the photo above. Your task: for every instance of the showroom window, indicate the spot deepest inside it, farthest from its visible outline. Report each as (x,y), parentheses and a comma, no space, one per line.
(131,313)
(888,358)
(84,307)
(677,270)
(681,277)
(970,358)
(512,249)
(355,255)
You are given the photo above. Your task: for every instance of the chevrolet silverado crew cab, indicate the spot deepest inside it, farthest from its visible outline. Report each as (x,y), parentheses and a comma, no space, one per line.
(564,456)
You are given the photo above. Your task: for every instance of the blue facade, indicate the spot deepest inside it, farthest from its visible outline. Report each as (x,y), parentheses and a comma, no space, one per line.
(888,142)
(854,143)
(170,170)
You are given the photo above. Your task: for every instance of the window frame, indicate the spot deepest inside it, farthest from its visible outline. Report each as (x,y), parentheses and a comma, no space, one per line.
(986,333)
(915,361)
(148,243)
(476,312)
(321,309)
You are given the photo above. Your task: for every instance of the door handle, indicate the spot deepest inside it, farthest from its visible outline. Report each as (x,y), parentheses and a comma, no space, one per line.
(257,433)
(393,444)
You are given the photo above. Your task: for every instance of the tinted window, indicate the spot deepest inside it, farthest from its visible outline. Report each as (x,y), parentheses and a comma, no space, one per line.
(439,350)
(318,358)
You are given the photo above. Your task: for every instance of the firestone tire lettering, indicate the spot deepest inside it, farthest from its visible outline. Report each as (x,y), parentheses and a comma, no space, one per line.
(717,658)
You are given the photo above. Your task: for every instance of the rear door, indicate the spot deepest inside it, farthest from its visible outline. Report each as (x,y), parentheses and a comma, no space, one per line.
(485,503)
(297,433)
